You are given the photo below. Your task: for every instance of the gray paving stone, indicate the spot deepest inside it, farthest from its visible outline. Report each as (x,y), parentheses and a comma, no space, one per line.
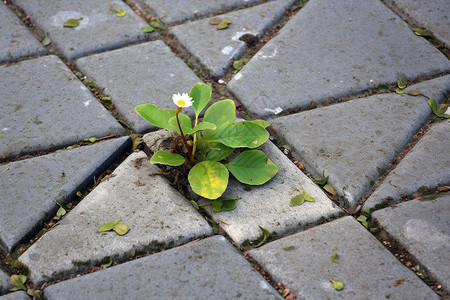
(427,165)
(353,142)
(100,29)
(19,295)
(423,229)
(16,41)
(158,216)
(209,268)
(268,205)
(432,15)
(174,11)
(146,73)
(369,271)
(333,49)
(31,187)
(5,282)
(215,48)
(45,107)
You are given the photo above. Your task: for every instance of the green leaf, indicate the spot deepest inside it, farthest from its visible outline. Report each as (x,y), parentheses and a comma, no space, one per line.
(61,212)
(46,40)
(261,123)
(300,199)
(264,238)
(156,116)
(322,181)
(72,22)
(92,140)
(217,205)
(194,204)
(158,24)
(399,91)
(107,226)
(185,123)
(34,293)
(363,220)
(240,134)
(214,224)
(208,179)
(137,141)
(218,151)
(330,189)
(200,94)
(224,204)
(166,158)
(239,64)
(18,283)
(221,112)
(333,257)
(106,98)
(401,82)
(439,110)
(121,229)
(148,29)
(108,263)
(224,24)
(338,285)
(422,32)
(79,194)
(366,210)
(202,126)
(308,198)
(252,167)
(120,12)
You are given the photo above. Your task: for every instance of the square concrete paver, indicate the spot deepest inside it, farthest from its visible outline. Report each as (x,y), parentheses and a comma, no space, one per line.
(157,214)
(16,41)
(19,295)
(99,30)
(207,269)
(333,49)
(141,74)
(423,229)
(368,271)
(31,187)
(45,107)
(5,282)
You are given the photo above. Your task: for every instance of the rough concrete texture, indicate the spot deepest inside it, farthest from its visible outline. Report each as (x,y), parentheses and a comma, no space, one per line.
(339,48)
(174,11)
(215,48)
(431,15)
(19,295)
(5,282)
(31,187)
(427,165)
(141,74)
(16,41)
(45,107)
(268,205)
(353,142)
(212,266)
(99,30)
(423,229)
(368,271)
(158,217)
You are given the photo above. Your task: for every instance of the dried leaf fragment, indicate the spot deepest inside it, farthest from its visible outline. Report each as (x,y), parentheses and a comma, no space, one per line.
(215,21)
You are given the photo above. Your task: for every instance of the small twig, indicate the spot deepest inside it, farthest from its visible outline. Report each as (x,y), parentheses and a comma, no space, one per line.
(107,137)
(159,173)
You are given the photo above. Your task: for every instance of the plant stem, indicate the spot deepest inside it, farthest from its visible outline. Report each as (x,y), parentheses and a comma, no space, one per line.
(194,148)
(191,157)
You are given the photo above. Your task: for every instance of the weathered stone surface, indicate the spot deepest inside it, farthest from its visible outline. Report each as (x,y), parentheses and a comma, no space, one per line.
(432,15)
(141,74)
(19,295)
(173,11)
(215,48)
(5,282)
(268,205)
(333,49)
(423,229)
(158,216)
(45,107)
(427,165)
(369,271)
(204,269)
(16,42)
(31,187)
(99,30)
(353,142)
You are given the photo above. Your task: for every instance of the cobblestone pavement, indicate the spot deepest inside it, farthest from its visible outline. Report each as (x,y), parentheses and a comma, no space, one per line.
(323,73)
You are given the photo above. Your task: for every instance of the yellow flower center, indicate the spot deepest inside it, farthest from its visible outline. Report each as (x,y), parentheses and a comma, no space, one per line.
(181,102)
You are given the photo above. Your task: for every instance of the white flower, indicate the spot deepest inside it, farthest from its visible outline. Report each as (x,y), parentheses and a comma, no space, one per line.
(182,100)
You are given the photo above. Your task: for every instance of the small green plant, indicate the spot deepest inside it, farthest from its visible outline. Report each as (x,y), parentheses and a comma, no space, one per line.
(207,143)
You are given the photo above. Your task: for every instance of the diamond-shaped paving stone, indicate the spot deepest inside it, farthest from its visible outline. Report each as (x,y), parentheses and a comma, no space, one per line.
(268,205)
(146,73)
(5,282)
(31,187)
(427,165)
(45,107)
(332,49)
(16,41)
(99,30)
(353,142)
(369,271)
(433,15)
(215,48)
(157,214)
(423,229)
(173,11)
(210,268)
(19,295)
